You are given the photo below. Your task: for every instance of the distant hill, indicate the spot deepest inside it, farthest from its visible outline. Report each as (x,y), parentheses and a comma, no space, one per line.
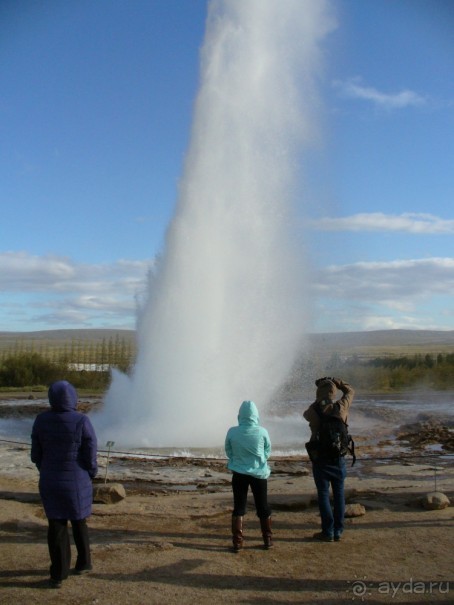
(379,338)
(363,344)
(382,343)
(57,340)
(83,334)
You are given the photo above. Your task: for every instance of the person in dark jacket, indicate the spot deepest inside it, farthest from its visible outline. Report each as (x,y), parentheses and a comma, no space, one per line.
(64,449)
(329,472)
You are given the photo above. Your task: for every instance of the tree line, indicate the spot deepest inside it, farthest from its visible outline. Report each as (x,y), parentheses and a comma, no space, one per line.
(88,365)
(432,371)
(85,364)
(371,375)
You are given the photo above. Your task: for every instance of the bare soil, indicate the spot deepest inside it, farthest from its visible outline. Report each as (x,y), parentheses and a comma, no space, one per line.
(168,545)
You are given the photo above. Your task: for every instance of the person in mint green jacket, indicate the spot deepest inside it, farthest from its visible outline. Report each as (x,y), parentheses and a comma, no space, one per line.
(248,448)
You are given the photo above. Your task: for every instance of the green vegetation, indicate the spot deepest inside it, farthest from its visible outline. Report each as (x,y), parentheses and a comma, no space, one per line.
(388,374)
(28,369)
(86,364)
(85,358)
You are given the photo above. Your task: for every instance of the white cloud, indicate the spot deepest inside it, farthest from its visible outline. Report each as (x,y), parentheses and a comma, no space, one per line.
(353,89)
(20,269)
(412,294)
(422,224)
(395,281)
(353,317)
(23,272)
(389,322)
(40,292)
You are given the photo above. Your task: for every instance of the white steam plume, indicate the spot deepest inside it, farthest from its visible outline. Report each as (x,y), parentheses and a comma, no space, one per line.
(226,312)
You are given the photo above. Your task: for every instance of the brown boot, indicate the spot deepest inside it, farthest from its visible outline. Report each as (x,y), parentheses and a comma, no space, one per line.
(265,525)
(237,533)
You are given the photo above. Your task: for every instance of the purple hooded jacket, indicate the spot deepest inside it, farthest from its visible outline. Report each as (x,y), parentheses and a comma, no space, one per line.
(64,449)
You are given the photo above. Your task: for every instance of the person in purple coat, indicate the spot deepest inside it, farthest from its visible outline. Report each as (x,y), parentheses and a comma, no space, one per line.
(64,449)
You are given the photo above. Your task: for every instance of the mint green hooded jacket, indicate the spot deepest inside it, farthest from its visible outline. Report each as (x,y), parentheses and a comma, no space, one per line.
(248,445)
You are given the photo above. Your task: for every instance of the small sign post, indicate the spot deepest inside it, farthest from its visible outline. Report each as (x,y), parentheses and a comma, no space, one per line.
(109,444)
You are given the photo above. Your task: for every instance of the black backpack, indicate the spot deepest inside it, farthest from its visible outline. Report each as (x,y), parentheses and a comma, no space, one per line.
(333,440)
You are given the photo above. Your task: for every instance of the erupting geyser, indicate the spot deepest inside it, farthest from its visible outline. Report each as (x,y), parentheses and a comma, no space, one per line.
(225,314)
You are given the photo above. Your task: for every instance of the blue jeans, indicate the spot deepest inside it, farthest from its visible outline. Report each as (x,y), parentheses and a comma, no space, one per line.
(332,475)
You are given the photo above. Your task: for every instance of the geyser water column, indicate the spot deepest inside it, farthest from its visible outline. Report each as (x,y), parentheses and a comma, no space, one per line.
(225,314)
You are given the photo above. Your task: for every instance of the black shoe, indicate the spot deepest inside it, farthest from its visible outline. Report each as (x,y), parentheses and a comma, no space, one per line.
(54,583)
(323,537)
(337,537)
(83,570)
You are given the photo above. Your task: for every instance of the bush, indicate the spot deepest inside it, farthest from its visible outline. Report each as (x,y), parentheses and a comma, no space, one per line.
(91,380)
(28,369)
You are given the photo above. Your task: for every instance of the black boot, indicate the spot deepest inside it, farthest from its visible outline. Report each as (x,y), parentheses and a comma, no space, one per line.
(265,525)
(237,533)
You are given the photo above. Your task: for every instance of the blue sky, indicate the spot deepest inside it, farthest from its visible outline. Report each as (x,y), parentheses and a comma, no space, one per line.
(96,101)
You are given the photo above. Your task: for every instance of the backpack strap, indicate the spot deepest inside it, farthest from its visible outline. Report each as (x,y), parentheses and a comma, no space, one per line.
(323,416)
(351,449)
(351,445)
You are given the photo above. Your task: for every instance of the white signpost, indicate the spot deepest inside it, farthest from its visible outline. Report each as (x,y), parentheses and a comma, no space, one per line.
(109,444)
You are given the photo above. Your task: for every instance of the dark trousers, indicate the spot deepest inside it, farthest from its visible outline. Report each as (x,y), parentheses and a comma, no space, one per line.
(259,488)
(60,550)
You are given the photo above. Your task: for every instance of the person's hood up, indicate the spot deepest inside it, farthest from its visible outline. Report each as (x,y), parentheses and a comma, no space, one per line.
(62,396)
(248,413)
(326,390)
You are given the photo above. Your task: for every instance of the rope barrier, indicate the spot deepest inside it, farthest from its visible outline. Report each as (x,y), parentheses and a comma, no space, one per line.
(399,457)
